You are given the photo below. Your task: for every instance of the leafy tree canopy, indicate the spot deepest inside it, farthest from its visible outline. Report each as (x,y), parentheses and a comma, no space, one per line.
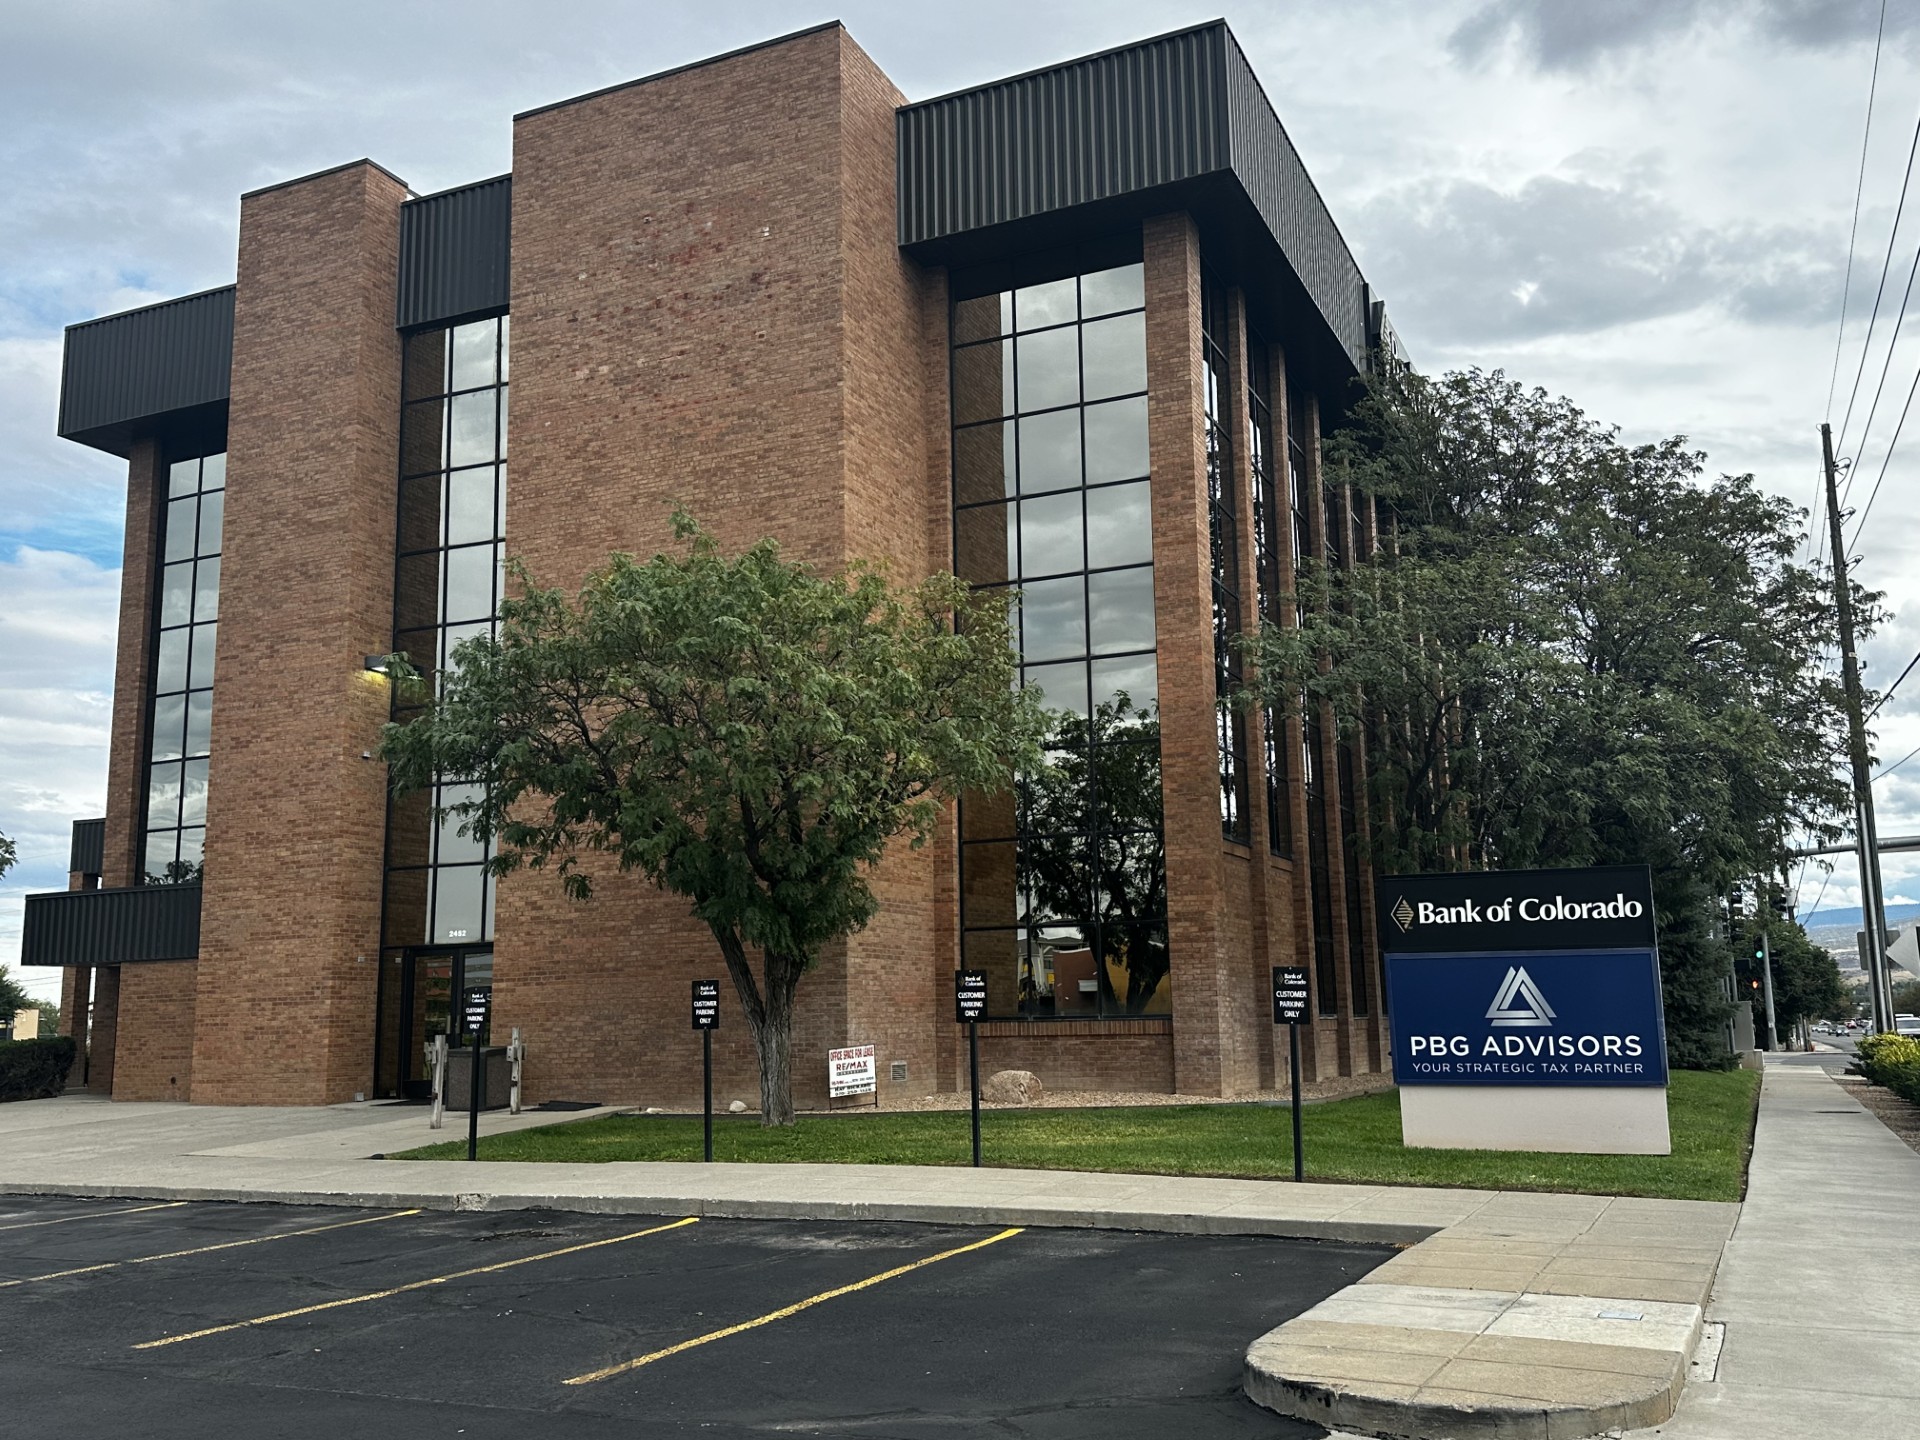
(13,997)
(1572,651)
(7,854)
(744,731)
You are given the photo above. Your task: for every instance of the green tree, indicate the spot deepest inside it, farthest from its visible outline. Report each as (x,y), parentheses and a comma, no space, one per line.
(1570,651)
(1807,984)
(7,854)
(13,998)
(746,732)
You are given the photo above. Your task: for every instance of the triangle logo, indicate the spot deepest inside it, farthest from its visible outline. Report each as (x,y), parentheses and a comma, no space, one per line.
(1402,915)
(1518,1002)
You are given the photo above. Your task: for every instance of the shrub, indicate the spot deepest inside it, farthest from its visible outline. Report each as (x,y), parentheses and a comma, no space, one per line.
(35,1069)
(1892,1061)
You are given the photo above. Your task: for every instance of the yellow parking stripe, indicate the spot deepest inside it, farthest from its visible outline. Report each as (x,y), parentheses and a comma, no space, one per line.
(94,1215)
(781,1314)
(411,1285)
(201,1249)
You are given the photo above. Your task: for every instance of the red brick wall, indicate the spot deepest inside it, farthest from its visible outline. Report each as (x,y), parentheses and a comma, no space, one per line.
(153,1051)
(290,926)
(106,1024)
(708,307)
(132,667)
(1117,1055)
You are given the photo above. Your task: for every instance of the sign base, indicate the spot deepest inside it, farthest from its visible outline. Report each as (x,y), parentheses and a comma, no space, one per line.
(1570,1120)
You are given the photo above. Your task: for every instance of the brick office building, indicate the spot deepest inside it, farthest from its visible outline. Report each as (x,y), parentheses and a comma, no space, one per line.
(1077,331)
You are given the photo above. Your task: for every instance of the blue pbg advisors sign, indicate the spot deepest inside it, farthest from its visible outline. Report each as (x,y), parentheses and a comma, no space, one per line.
(1535,978)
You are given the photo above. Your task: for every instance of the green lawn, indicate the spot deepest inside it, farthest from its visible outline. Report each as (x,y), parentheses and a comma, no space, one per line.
(1356,1140)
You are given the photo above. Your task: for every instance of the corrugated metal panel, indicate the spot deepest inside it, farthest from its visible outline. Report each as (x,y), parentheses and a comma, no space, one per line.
(1113,124)
(1175,122)
(454,254)
(87,855)
(111,927)
(124,369)
(1287,199)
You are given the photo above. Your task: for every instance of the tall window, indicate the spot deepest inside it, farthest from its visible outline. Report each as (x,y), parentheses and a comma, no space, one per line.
(447,586)
(1063,881)
(1311,538)
(182,717)
(1267,577)
(1223,536)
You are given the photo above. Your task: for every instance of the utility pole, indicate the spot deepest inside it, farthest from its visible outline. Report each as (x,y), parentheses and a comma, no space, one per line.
(1872,912)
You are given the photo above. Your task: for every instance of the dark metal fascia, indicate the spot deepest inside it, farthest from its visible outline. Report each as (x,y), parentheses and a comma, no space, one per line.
(111,927)
(87,854)
(455,254)
(161,366)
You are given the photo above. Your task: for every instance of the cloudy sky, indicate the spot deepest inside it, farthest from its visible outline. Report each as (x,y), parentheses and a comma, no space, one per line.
(1642,204)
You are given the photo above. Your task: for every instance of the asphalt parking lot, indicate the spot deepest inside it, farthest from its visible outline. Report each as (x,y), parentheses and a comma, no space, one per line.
(136,1319)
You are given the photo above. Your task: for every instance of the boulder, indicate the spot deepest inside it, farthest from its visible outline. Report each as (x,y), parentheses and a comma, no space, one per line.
(1013,1087)
(738,1107)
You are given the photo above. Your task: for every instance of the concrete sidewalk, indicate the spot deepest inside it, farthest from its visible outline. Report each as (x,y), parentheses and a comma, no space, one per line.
(1819,1289)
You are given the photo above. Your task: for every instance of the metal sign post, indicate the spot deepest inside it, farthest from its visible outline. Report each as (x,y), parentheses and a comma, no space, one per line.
(1289,1009)
(706,1019)
(473,1014)
(969,1004)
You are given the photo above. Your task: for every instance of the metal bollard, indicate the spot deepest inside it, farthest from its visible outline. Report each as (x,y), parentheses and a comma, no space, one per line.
(437,1067)
(516,1052)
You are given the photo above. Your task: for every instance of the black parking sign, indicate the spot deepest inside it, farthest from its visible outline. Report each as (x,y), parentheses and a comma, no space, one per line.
(1289,994)
(706,1004)
(969,995)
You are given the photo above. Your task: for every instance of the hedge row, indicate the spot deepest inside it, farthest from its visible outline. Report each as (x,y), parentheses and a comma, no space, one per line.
(1892,1061)
(35,1069)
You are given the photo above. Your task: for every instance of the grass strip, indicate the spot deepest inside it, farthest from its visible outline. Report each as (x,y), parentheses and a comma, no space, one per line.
(1357,1139)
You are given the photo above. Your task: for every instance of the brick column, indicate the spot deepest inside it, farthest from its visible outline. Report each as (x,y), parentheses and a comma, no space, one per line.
(1183,617)
(133,666)
(289,943)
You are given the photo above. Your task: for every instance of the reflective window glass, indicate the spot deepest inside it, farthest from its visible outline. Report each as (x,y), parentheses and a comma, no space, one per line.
(1135,676)
(1062,687)
(199,722)
(449,845)
(213,510)
(169,726)
(1050,535)
(1120,610)
(180,529)
(170,662)
(982,318)
(1105,291)
(473,355)
(983,463)
(1050,452)
(200,670)
(206,589)
(470,506)
(176,594)
(1116,440)
(1053,619)
(985,545)
(982,382)
(1053,303)
(193,793)
(163,794)
(161,848)
(458,902)
(193,844)
(183,477)
(1048,369)
(1119,525)
(1115,356)
(213,472)
(470,436)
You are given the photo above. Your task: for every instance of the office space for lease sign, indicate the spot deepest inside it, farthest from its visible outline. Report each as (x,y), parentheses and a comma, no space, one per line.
(1525,978)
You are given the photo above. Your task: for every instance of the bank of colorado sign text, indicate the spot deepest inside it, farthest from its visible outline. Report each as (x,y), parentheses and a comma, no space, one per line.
(1547,977)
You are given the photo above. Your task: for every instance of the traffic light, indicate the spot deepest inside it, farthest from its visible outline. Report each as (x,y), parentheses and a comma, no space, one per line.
(1759,949)
(1754,983)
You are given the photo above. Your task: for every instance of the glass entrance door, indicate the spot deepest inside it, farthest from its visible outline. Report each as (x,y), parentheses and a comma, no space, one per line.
(422,1005)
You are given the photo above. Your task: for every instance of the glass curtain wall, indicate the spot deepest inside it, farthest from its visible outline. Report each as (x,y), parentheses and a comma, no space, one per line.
(1223,535)
(1063,880)
(182,715)
(447,586)
(1267,578)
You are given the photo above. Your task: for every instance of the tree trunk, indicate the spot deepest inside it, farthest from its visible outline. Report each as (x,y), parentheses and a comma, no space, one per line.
(774,1041)
(769,1010)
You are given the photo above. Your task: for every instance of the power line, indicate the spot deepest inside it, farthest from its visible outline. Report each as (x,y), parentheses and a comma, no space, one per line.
(1897,764)
(1859,188)
(1885,459)
(1879,292)
(1887,694)
(1887,364)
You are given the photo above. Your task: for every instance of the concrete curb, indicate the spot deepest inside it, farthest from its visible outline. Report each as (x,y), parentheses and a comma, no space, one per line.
(1062,1217)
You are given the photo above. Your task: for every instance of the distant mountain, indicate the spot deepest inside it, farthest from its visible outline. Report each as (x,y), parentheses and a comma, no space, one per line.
(1849,919)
